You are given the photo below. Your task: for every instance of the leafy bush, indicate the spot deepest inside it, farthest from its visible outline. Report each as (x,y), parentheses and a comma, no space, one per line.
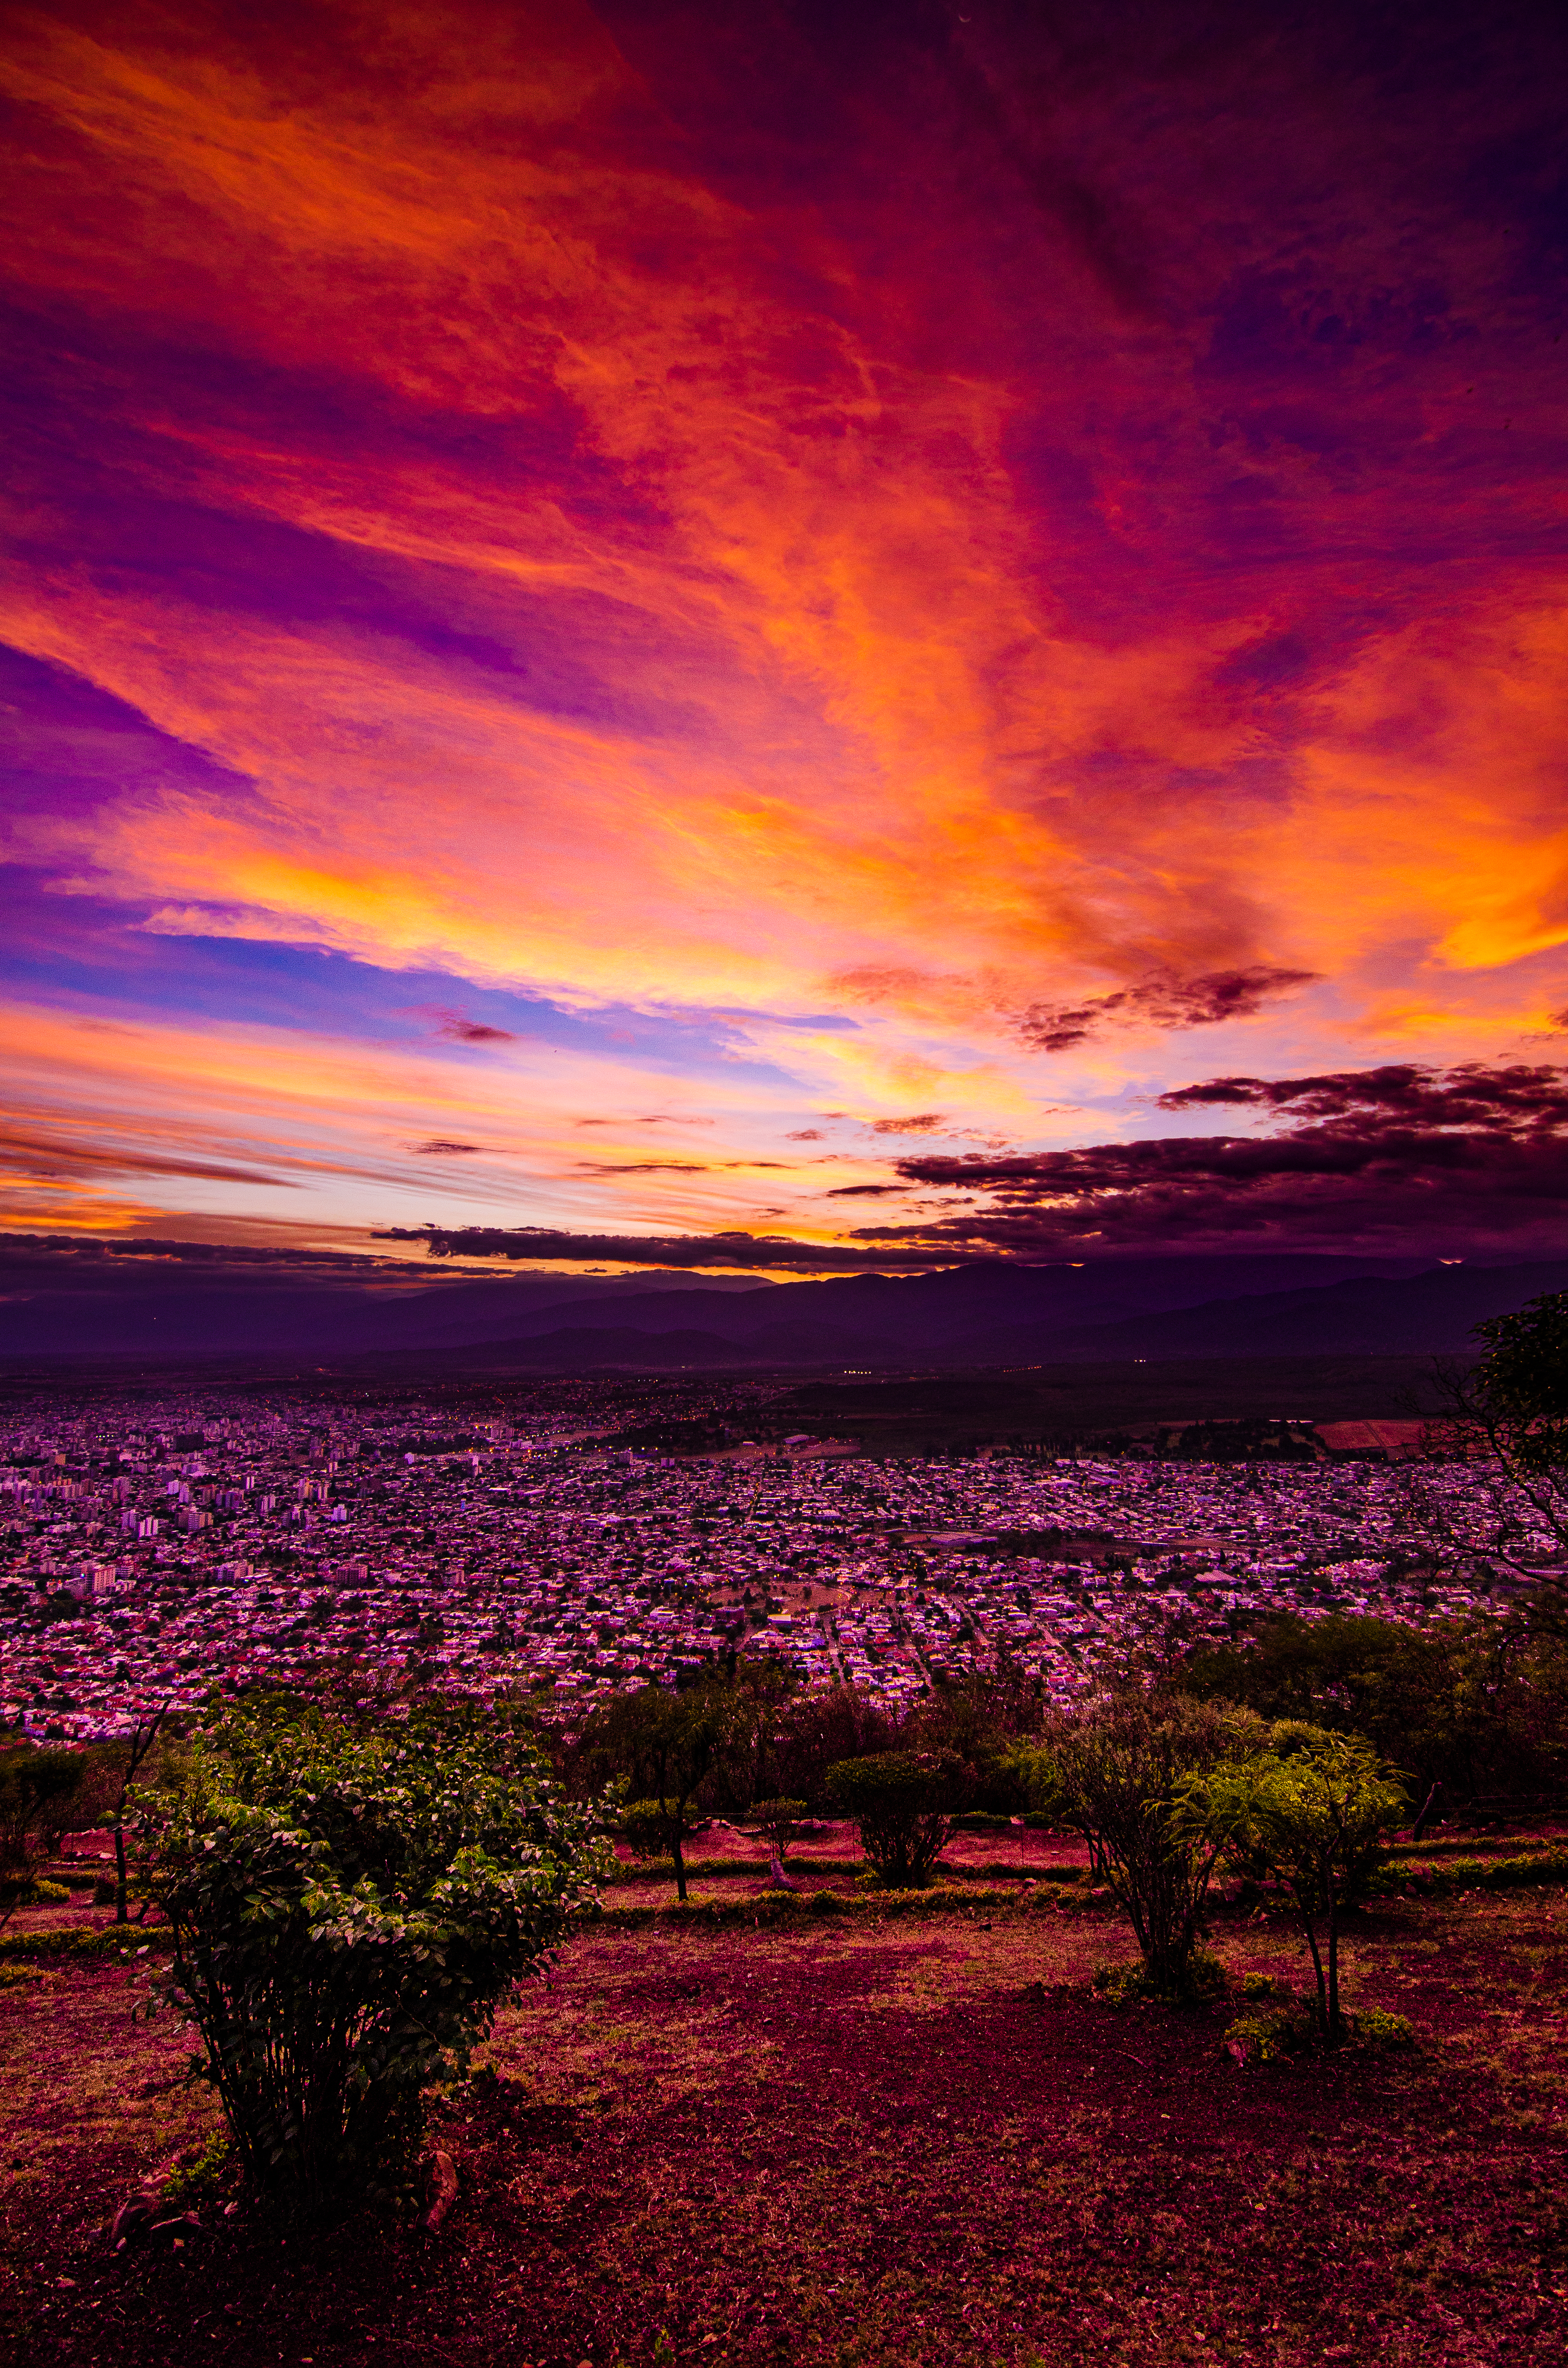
(1256,1986)
(904,1804)
(1313,1812)
(1264,2038)
(779,1820)
(1124,1984)
(350,1897)
(198,2180)
(1122,1768)
(1120,1984)
(1294,2030)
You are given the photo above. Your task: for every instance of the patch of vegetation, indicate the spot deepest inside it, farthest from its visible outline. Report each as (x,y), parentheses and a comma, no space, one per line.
(350,1898)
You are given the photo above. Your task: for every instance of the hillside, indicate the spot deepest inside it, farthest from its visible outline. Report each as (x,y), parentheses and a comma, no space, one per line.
(910,2144)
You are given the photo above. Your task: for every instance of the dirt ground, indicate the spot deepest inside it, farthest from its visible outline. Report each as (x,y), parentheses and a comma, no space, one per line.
(919,2143)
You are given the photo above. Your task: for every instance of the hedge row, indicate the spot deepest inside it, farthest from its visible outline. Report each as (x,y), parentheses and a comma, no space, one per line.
(773,1907)
(83,1940)
(719,1869)
(1481,1874)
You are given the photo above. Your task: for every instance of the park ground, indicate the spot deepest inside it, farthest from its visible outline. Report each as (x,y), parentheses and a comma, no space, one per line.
(852,2139)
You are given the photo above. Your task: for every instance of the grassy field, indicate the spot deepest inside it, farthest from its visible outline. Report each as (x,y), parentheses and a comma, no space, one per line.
(879,2143)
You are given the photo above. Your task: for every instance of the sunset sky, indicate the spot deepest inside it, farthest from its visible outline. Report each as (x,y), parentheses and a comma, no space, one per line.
(923,629)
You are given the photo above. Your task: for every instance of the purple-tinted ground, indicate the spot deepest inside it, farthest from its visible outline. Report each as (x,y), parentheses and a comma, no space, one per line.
(921,2142)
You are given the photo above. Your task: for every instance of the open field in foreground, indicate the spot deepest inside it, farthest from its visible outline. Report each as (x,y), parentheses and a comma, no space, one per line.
(920,2143)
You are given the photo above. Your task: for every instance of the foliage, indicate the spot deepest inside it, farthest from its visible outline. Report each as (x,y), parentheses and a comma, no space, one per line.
(982,1718)
(1313,1812)
(1507,1420)
(20,1887)
(350,1897)
(1374,2026)
(200,2180)
(39,1791)
(1120,1769)
(778,1820)
(1469,1703)
(1264,2038)
(1521,1382)
(903,1803)
(1288,2031)
(1129,1982)
(665,1746)
(816,1732)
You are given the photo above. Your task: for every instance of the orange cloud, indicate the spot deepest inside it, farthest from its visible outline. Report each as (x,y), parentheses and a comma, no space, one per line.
(946,594)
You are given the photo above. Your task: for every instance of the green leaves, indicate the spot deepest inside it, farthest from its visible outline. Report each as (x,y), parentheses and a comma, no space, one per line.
(350,1899)
(904,1804)
(1313,1812)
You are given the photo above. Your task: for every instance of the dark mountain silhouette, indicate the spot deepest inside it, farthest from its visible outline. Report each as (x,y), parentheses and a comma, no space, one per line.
(184,1300)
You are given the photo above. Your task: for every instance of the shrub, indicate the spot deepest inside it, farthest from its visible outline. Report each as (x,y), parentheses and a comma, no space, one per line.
(778,1820)
(19,1888)
(904,1804)
(1120,1984)
(1264,2038)
(348,1898)
(1314,1813)
(1372,2026)
(1121,1769)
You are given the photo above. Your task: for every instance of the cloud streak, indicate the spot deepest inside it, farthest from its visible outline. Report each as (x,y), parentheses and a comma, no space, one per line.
(1469,1158)
(637,525)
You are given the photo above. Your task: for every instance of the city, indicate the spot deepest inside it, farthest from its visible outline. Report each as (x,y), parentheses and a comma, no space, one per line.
(154,1548)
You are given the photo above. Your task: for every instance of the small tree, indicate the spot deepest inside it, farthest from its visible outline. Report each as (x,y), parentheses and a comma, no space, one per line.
(350,1897)
(778,1820)
(1313,1812)
(903,1803)
(1122,1770)
(1506,1420)
(665,1745)
(117,1767)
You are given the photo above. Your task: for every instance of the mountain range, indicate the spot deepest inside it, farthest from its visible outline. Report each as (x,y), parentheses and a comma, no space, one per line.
(990,1314)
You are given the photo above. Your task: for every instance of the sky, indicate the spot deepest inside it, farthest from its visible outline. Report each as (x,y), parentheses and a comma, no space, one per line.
(785,637)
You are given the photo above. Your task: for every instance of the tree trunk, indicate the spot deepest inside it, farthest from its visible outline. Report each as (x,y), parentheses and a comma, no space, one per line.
(1317,1968)
(676,1824)
(1335,2025)
(122,1914)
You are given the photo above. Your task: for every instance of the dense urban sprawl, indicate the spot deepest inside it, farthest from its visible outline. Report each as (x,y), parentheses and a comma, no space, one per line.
(148,1551)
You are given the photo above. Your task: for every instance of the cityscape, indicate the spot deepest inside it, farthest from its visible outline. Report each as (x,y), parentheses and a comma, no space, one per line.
(153,1549)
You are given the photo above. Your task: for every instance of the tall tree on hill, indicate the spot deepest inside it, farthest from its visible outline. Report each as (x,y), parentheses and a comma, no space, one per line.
(1506,1421)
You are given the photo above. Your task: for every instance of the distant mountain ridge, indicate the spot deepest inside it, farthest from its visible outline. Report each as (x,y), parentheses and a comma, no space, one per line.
(1431,1313)
(990,1314)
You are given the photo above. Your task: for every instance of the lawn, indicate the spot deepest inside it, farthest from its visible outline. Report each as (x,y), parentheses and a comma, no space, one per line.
(852,2142)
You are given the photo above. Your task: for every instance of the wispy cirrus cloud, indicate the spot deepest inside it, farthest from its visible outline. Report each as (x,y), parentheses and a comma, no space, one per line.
(478,520)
